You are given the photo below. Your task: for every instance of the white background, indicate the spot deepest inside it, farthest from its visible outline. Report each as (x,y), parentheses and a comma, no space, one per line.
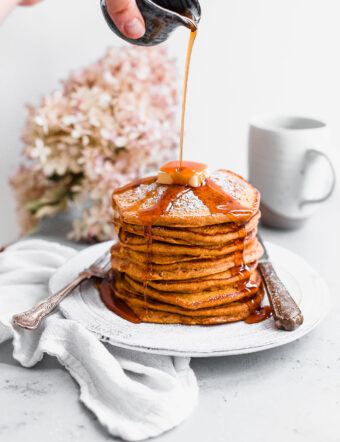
(251,57)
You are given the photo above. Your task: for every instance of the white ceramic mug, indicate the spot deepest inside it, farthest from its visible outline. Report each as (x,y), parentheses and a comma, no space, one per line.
(288,163)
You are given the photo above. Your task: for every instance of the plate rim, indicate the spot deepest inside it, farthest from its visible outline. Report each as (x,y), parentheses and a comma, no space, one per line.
(292,336)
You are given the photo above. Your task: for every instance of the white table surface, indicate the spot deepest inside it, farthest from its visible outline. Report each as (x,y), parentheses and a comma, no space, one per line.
(270,56)
(291,393)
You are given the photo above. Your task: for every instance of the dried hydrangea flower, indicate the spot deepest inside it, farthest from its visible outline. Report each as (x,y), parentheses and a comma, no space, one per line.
(112,122)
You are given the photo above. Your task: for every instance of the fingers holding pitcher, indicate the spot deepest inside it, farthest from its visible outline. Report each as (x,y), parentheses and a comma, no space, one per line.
(127,17)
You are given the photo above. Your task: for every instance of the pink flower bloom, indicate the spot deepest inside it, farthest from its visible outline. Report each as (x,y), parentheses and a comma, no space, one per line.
(112,122)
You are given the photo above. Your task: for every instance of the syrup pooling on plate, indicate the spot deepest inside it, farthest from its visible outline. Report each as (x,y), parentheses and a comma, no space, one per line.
(113,303)
(259,315)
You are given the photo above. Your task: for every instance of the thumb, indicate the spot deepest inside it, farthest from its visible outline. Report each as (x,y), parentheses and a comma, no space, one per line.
(127,17)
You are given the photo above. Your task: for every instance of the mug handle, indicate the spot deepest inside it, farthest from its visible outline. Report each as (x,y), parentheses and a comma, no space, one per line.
(309,154)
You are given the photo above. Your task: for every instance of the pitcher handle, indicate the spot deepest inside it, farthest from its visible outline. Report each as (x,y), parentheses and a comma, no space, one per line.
(316,152)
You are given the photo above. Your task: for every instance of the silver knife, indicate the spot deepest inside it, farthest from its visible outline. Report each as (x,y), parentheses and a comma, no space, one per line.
(286,313)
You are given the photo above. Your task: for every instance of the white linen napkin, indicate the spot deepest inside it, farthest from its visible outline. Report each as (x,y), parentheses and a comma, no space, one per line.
(134,395)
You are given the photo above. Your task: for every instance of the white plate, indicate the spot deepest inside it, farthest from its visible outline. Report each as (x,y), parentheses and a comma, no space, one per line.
(86,307)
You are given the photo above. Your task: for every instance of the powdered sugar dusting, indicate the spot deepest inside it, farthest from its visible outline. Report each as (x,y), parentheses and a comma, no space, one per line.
(133,196)
(189,203)
(154,198)
(230,184)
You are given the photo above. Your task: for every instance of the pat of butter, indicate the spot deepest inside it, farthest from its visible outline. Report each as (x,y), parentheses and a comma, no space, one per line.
(187,174)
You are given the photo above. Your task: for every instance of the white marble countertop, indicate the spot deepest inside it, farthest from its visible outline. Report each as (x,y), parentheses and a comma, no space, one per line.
(291,393)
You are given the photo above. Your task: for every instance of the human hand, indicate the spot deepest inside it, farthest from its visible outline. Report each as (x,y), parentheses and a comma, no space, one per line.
(127,17)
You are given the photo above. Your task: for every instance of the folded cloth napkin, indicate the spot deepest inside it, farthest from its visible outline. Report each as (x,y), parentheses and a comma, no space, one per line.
(134,395)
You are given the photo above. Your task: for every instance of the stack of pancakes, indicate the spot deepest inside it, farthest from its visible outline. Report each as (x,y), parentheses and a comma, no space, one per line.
(188,255)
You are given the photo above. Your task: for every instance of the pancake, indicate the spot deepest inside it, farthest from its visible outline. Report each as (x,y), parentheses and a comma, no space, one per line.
(192,301)
(186,269)
(135,300)
(210,282)
(237,311)
(225,197)
(204,235)
(163,253)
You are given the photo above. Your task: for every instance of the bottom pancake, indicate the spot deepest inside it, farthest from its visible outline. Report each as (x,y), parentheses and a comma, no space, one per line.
(240,312)
(127,288)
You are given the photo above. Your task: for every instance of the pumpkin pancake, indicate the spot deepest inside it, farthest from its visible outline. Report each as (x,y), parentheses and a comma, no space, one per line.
(236,311)
(186,269)
(162,253)
(224,197)
(191,301)
(210,235)
(210,282)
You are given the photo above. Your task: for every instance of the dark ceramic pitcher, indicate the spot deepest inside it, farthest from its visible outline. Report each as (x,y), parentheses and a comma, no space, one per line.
(161,18)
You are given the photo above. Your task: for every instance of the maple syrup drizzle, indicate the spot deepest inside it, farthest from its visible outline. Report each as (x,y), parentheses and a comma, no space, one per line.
(148,264)
(137,206)
(259,315)
(164,204)
(227,204)
(192,38)
(241,269)
(113,303)
(218,201)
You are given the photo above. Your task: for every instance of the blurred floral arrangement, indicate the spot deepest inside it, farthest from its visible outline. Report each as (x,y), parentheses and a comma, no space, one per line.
(112,122)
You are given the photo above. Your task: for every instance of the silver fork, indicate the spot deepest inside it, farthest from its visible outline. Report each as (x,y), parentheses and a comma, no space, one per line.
(33,317)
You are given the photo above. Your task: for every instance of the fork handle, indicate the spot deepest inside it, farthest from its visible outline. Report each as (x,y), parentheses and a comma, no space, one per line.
(32,318)
(286,313)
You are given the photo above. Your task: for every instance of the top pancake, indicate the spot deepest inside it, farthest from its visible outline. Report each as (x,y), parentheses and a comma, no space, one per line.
(207,236)
(225,197)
